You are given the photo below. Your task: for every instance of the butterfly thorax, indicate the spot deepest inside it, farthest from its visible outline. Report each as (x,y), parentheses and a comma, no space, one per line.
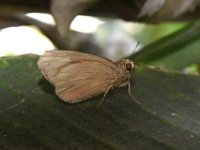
(126,66)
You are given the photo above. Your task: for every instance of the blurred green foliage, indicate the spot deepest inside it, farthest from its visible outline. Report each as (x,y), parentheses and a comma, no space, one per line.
(172,46)
(150,33)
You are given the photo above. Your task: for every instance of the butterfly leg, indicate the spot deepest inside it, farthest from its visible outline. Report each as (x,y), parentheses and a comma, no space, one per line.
(130,94)
(103,98)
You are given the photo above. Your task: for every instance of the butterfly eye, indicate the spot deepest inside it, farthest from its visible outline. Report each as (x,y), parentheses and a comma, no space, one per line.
(128,66)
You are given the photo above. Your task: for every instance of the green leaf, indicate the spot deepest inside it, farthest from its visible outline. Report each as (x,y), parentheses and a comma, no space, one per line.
(176,50)
(31,116)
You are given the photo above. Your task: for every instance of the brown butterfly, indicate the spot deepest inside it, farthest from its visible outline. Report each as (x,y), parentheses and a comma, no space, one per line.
(79,76)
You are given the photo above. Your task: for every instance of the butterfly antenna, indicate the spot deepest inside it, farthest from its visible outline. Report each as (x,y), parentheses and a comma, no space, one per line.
(130,94)
(135,47)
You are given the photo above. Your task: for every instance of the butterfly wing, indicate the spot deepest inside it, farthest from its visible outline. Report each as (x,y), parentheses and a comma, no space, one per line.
(77,76)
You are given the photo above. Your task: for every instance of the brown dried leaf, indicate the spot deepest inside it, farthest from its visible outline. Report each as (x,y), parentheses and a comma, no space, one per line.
(64,12)
(167,9)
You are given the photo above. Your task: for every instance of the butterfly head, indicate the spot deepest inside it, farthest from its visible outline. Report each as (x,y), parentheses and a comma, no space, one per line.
(128,65)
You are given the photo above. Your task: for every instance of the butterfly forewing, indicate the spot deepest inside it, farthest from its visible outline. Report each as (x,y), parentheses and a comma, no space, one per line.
(77,76)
